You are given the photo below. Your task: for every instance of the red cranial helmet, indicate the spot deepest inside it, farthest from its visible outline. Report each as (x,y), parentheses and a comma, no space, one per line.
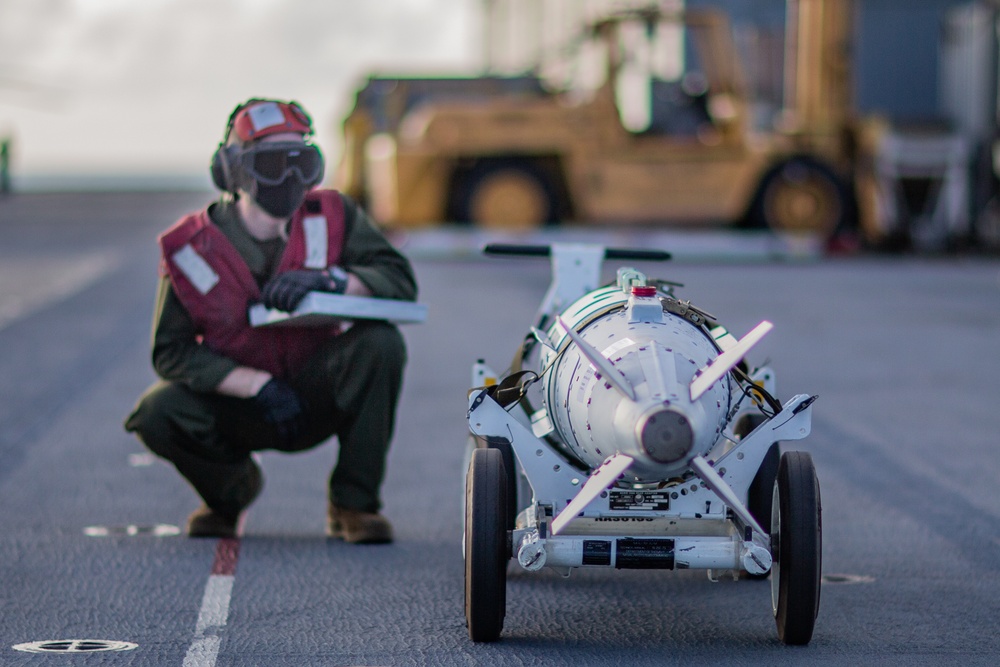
(258,118)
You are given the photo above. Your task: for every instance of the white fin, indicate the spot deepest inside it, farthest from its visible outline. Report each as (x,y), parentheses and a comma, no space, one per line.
(715,482)
(606,368)
(598,482)
(725,362)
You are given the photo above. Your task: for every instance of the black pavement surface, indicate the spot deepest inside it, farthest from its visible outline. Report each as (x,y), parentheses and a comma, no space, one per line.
(902,352)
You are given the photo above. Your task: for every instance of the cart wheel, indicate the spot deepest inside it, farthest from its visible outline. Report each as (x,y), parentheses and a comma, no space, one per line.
(486,549)
(796,548)
(510,467)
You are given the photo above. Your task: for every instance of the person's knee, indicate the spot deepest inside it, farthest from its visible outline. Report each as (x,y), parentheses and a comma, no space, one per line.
(388,341)
(154,418)
(370,357)
(379,345)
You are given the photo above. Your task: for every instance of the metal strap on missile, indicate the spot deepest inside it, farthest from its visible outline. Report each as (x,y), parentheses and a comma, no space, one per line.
(684,309)
(510,390)
(520,353)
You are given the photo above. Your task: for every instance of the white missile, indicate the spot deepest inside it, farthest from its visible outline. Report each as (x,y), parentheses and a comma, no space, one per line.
(651,404)
(619,382)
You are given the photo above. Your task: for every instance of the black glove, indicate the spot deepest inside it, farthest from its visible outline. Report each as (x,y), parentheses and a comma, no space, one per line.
(286,290)
(282,408)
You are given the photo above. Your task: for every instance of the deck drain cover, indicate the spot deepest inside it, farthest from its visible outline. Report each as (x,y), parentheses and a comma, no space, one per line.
(75,646)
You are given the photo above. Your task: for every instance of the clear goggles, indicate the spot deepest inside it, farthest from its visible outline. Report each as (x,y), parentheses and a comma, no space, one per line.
(272,162)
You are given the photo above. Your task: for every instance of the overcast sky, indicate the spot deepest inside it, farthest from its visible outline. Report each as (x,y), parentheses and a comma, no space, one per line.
(139,86)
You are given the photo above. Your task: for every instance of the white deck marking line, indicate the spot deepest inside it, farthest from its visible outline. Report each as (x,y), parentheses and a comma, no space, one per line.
(214,614)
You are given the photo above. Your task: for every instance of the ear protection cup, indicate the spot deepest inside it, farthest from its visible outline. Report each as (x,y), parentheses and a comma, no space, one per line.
(217,170)
(222,168)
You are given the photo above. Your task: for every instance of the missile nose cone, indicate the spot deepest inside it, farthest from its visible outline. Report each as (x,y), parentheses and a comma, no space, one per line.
(665,435)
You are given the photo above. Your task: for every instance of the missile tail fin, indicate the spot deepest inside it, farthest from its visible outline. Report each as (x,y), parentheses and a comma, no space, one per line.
(725,362)
(606,368)
(715,482)
(598,482)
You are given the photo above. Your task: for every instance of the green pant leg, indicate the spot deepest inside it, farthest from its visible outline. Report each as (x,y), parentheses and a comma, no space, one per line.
(188,429)
(354,380)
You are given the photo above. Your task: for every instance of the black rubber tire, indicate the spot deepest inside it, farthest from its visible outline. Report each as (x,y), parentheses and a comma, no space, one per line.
(486,547)
(510,467)
(804,174)
(796,548)
(468,184)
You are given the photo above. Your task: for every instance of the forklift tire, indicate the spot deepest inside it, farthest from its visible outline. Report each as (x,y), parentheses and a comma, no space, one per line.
(504,194)
(486,545)
(796,548)
(801,195)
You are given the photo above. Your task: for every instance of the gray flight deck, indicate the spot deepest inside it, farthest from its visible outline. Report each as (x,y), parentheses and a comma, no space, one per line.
(904,353)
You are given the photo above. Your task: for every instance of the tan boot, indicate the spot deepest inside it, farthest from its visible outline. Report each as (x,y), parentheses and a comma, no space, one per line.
(206,522)
(357,527)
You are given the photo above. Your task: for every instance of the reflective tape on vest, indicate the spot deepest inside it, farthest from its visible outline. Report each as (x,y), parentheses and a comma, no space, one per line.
(195,269)
(316,242)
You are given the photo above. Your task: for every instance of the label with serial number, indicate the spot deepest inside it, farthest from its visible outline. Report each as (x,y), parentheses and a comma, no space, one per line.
(652,501)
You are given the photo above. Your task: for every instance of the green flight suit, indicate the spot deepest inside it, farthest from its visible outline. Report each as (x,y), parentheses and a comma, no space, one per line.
(349,387)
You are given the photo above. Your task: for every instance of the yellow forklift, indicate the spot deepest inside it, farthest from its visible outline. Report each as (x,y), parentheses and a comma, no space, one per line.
(511,153)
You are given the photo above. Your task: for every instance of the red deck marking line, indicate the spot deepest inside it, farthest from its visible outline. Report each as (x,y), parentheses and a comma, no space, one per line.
(214,614)
(227,552)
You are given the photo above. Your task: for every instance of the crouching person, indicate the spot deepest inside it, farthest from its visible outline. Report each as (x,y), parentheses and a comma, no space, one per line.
(228,389)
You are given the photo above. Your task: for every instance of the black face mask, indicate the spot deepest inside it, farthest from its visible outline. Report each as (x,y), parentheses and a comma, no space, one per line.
(283,199)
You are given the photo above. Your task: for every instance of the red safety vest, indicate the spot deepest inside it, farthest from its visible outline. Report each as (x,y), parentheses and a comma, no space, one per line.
(216,287)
